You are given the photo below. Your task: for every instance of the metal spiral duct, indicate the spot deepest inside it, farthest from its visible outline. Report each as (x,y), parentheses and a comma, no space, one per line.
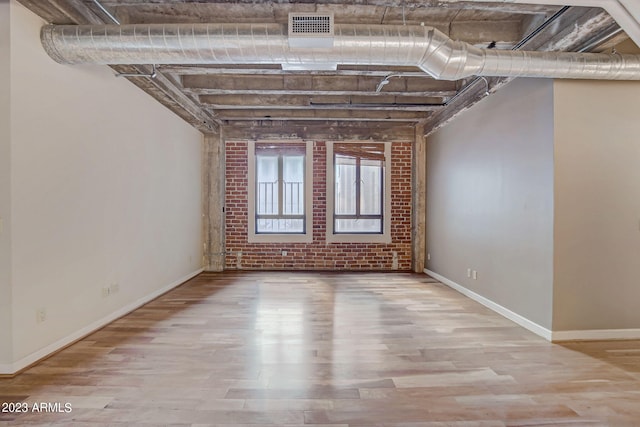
(424,47)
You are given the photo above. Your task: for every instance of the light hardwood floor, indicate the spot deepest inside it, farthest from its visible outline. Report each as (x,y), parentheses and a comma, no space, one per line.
(327,349)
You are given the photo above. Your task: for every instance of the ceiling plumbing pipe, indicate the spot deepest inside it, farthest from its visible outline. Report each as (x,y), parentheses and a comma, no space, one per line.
(395,45)
(106,12)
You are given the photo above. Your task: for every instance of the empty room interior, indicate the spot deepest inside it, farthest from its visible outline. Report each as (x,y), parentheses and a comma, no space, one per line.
(319,213)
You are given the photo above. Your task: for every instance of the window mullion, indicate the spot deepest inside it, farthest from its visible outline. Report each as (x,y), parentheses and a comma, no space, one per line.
(358,188)
(304,195)
(335,202)
(382,199)
(280,185)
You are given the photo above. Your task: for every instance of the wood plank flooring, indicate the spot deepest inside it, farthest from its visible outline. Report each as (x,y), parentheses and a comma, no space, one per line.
(326,349)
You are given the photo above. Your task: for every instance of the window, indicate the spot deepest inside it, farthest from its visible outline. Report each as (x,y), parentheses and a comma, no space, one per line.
(279,189)
(358,183)
(358,192)
(279,192)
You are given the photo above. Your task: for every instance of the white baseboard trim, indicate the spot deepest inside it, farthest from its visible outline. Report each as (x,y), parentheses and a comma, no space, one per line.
(63,342)
(515,317)
(596,335)
(553,336)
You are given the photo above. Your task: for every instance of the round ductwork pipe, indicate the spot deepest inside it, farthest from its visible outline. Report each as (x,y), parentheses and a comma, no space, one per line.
(424,47)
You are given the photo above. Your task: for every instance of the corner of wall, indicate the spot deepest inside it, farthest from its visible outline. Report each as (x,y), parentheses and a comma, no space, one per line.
(6,336)
(597,211)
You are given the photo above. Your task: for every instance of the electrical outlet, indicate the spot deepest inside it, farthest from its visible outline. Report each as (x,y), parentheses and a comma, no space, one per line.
(284,253)
(106,291)
(428,257)
(468,272)
(475,275)
(41,315)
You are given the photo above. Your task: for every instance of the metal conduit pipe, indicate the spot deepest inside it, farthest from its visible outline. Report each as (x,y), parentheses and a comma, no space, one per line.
(424,47)
(106,12)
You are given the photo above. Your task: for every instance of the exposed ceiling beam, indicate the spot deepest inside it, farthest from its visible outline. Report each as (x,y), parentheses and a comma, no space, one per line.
(315,83)
(321,130)
(186,70)
(625,12)
(482,32)
(350,107)
(254,92)
(333,114)
(176,99)
(409,4)
(412,122)
(573,29)
(338,124)
(47,12)
(303,101)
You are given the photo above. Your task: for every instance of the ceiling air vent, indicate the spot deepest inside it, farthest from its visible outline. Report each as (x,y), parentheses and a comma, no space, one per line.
(309,30)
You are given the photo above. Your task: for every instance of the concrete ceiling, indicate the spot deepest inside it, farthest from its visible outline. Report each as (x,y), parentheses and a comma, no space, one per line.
(244,98)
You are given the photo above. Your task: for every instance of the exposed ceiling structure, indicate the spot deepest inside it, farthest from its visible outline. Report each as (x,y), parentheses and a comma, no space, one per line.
(246,97)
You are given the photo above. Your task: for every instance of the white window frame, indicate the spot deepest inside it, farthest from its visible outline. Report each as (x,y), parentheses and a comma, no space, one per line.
(385,236)
(307,236)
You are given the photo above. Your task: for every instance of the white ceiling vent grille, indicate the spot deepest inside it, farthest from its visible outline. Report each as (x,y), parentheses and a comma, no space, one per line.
(310,25)
(309,30)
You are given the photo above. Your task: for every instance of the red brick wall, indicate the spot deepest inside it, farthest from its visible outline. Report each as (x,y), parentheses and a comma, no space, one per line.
(318,255)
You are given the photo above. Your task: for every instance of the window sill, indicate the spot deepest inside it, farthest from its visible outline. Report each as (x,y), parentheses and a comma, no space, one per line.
(280,238)
(358,238)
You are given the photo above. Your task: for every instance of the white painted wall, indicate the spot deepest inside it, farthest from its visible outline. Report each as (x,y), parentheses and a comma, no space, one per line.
(106,189)
(597,205)
(490,199)
(5,191)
